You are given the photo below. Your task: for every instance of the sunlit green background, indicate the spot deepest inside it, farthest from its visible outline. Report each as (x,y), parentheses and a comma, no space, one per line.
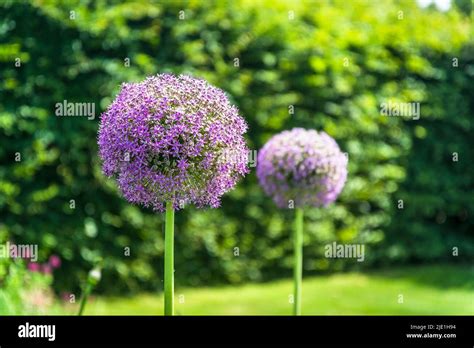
(331,62)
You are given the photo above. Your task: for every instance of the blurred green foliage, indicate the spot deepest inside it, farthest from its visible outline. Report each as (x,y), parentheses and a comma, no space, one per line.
(334,62)
(23,292)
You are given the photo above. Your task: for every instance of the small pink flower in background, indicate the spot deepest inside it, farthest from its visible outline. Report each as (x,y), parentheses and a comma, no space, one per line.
(34,267)
(66,296)
(55,261)
(46,269)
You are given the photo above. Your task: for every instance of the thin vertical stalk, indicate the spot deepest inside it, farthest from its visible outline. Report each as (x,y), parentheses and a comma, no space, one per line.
(298,261)
(169,259)
(85,295)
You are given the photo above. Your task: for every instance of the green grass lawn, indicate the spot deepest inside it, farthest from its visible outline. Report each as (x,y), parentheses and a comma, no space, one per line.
(426,290)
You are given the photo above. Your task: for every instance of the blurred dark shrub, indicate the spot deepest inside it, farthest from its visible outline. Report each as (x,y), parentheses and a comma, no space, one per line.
(333,62)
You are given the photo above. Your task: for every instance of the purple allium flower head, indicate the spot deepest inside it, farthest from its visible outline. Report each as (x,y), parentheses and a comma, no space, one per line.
(304,166)
(173,138)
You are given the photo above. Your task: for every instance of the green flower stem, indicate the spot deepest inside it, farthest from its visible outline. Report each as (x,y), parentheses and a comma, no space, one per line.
(93,279)
(86,294)
(169,259)
(298,262)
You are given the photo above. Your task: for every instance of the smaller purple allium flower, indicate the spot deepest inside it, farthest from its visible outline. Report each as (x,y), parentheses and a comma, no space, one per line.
(166,139)
(303,166)
(55,261)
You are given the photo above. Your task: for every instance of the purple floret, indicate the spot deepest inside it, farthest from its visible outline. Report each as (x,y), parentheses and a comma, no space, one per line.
(303,166)
(168,138)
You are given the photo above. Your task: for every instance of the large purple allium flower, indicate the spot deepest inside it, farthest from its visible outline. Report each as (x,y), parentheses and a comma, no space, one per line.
(303,166)
(173,138)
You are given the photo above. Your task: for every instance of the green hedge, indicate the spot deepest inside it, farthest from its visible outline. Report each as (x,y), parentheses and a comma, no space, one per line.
(334,62)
